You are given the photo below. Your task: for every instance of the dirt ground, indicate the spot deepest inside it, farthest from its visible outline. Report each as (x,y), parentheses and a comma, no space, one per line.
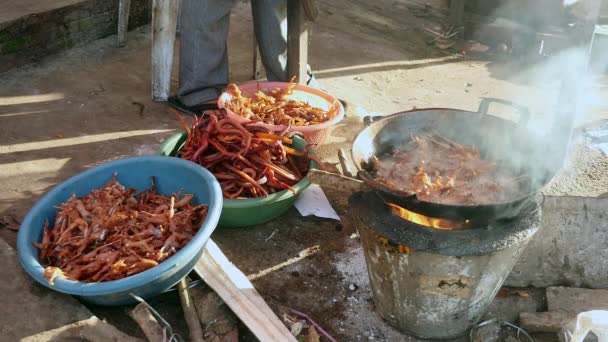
(93,104)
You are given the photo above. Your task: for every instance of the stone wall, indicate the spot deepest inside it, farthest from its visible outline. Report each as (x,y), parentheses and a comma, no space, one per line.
(32,37)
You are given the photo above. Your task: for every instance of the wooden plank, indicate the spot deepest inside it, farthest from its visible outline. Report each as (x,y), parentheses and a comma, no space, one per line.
(164,25)
(576,300)
(297,42)
(239,294)
(123,21)
(552,321)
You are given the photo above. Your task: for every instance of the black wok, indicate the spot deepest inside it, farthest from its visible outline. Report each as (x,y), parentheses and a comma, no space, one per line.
(510,143)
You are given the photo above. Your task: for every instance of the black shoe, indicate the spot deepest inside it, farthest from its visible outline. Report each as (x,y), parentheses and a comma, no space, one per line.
(192,110)
(344,105)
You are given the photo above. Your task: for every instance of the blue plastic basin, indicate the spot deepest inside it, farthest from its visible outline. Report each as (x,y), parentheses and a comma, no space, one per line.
(171,175)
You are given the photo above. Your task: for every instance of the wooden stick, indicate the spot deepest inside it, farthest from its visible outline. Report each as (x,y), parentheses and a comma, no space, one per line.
(346,170)
(239,294)
(148,324)
(336,182)
(302,255)
(194,325)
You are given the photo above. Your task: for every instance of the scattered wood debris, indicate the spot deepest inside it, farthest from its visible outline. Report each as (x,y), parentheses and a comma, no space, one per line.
(443,38)
(507,292)
(147,323)
(312,335)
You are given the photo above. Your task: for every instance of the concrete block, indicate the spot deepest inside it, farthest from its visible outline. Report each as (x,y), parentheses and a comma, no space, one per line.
(569,248)
(509,307)
(576,300)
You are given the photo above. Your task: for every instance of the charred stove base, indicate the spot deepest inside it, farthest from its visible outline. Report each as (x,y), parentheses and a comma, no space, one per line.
(436,283)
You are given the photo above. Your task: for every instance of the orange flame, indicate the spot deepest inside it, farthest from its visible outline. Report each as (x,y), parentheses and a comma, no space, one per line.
(433,222)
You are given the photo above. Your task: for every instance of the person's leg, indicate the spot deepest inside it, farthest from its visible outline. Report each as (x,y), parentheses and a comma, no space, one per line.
(270,25)
(203,62)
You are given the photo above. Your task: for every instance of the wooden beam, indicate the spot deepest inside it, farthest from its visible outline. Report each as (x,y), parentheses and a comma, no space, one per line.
(544,321)
(297,41)
(239,294)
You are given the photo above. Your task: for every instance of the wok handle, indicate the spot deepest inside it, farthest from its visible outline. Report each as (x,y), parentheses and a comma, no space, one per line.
(370,119)
(524,113)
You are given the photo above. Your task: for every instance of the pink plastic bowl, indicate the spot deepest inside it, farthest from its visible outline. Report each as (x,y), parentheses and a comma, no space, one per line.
(314,134)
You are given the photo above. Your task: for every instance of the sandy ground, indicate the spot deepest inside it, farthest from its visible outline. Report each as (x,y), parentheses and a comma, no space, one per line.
(92,104)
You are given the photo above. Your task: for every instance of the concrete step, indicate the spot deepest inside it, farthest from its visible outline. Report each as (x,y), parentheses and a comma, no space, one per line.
(33,29)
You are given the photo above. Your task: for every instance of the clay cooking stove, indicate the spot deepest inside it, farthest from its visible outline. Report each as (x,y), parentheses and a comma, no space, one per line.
(435,277)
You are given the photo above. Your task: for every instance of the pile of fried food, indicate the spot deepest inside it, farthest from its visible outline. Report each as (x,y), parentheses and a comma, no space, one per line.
(442,171)
(114,232)
(248,160)
(274,108)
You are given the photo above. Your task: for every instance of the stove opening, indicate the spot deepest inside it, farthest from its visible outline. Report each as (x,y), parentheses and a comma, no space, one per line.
(432,222)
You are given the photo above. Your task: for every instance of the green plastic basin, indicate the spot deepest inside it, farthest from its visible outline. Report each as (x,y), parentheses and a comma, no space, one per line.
(250,211)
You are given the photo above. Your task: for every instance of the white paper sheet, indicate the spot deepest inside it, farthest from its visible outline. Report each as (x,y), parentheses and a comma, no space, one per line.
(313,201)
(602,147)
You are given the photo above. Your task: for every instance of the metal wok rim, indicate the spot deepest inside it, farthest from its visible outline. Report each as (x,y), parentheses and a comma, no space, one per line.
(366,177)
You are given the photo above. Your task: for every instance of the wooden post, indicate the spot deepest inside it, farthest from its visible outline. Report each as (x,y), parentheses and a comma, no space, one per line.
(123,21)
(456,12)
(297,41)
(164,24)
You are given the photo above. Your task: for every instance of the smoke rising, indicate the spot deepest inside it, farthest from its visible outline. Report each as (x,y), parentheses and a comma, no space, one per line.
(560,86)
